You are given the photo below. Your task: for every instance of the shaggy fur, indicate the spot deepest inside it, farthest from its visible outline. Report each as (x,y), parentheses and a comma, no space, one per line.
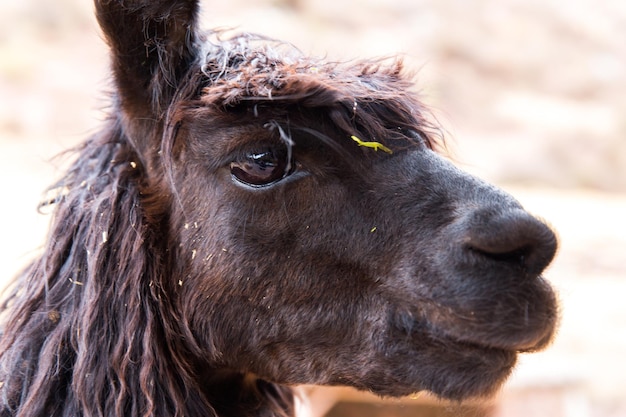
(224,238)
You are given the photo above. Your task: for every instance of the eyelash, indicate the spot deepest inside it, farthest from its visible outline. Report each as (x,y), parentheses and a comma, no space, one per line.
(262,168)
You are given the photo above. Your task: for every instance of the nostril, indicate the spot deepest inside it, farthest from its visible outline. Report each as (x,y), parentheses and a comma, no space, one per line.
(513,237)
(518,256)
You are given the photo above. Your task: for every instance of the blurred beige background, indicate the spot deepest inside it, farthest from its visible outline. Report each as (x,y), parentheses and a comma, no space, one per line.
(533,97)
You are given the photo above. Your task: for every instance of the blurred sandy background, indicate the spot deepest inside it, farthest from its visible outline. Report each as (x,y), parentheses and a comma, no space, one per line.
(532,94)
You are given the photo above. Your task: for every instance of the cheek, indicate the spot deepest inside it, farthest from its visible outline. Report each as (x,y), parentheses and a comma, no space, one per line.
(258,331)
(301,244)
(253,288)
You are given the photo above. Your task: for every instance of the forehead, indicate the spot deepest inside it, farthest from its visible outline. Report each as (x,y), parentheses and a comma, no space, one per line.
(252,68)
(250,79)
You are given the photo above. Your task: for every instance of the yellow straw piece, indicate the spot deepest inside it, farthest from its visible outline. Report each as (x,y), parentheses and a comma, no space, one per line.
(374,145)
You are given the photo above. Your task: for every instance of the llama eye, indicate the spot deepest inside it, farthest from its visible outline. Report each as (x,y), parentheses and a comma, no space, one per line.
(259,169)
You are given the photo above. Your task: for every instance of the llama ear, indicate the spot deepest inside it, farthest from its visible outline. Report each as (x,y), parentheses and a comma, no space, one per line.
(152,46)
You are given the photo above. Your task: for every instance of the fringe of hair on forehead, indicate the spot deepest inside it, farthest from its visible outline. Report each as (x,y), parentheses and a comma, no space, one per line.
(374,100)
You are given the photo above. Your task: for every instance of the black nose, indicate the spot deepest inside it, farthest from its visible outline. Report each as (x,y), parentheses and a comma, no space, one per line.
(510,236)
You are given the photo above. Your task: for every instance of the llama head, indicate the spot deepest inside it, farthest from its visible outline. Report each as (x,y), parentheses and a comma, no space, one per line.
(311,233)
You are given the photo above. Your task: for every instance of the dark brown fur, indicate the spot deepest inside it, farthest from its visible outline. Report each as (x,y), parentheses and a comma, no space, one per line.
(169,287)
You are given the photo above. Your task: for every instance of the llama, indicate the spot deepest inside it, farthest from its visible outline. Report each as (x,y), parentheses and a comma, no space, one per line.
(249,219)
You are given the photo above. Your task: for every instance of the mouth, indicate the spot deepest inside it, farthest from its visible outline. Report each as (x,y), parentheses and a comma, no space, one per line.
(449,368)
(470,370)
(525,335)
(522,318)
(460,351)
